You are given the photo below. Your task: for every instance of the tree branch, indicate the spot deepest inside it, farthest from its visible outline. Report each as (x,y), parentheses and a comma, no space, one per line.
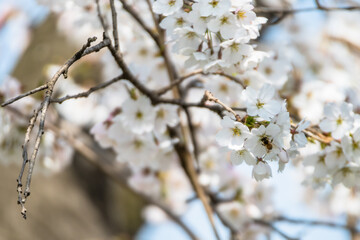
(38,89)
(90,91)
(85,50)
(114,22)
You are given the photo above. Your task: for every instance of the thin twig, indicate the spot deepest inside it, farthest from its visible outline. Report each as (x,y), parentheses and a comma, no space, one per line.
(38,89)
(43,109)
(274,229)
(315,223)
(29,129)
(209,97)
(90,91)
(263,10)
(114,23)
(177,82)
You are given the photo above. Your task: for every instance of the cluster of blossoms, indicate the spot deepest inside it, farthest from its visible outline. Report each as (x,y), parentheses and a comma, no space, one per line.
(137,131)
(264,134)
(213,34)
(338,161)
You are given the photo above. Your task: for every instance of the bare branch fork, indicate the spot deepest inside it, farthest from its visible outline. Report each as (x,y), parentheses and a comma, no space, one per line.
(42,110)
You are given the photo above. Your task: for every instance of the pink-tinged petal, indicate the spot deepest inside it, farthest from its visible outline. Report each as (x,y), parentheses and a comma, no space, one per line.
(327,125)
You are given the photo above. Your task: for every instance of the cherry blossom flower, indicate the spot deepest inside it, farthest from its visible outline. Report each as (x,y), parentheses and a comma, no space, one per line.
(214,7)
(177,20)
(335,157)
(338,119)
(245,15)
(298,137)
(351,146)
(233,134)
(138,115)
(225,23)
(261,171)
(237,157)
(166,115)
(234,50)
(262,142)
(167,7)
(234,213)
(261,103)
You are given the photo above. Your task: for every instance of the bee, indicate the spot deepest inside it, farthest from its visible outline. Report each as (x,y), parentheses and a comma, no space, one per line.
(265,142)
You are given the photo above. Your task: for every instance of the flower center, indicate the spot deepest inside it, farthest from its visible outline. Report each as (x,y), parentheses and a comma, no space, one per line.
(339,121)
(139,115)
(223,88)
(180,21)
(234,47)
(160,113)
(190,35)
(209,164)
(236,131)
(241,15)
(224,20)
(268,71)
(214,3)
(172,3)
(138,144)
(259,104)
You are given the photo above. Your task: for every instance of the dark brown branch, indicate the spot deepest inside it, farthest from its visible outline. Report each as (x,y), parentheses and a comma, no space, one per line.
(178,81)
(263,10)
(273,228)
(90,91)
(38,89)
(114,23)
(315,223)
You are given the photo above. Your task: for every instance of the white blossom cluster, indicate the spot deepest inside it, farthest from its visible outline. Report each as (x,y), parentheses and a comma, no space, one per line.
(265,134)
(137,131)
(213,34)
(339,161)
